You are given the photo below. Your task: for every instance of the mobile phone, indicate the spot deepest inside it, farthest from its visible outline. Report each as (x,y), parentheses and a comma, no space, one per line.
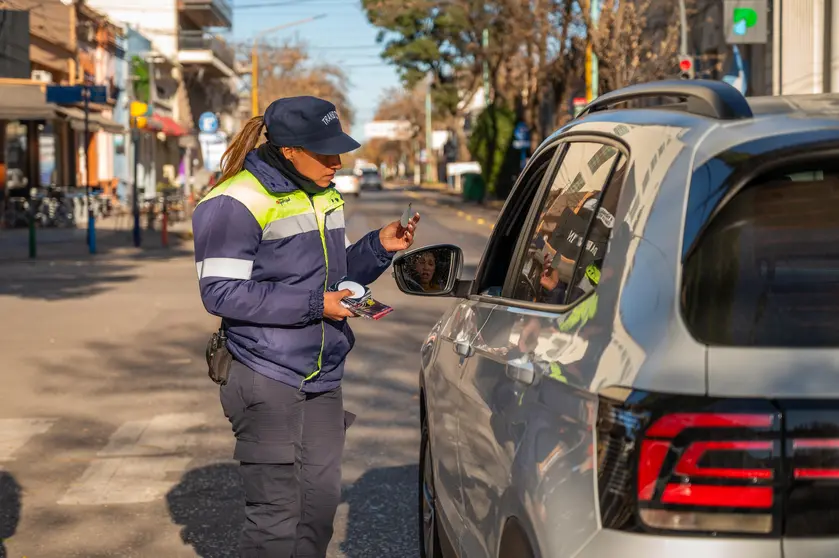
(406,216)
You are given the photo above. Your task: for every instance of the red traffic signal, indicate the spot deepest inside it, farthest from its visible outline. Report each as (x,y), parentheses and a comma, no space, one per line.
(686,67)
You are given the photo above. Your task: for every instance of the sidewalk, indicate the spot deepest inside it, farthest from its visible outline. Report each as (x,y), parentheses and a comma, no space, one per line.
(114,238)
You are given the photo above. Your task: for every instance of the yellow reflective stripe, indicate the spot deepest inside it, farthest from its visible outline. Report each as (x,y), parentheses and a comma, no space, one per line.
(593,274)
(580,315)
(556,373)
(245,188)
(290,226)
(288,205)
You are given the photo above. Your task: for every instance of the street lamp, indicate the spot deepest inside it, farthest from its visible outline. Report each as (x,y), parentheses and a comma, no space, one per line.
(255,61)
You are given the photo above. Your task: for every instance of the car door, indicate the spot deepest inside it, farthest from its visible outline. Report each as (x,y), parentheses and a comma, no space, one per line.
(519,411)
(489,282)
(442,403)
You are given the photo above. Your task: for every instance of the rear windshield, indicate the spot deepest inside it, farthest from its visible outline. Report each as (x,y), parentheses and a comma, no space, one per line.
(370,172)
(766,271)
(344,172)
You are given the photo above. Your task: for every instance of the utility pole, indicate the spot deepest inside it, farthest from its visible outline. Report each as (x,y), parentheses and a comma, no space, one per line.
(592,66)
(153,173)
(255,58)
(429,164)
(135,149)
(91,219)
(683,20)
(486,66)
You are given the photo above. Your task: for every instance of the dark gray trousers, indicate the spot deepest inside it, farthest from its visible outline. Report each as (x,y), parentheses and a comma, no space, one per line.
(289,446)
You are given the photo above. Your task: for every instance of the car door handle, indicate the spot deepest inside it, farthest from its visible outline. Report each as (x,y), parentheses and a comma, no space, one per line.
(522,375)
(463,350)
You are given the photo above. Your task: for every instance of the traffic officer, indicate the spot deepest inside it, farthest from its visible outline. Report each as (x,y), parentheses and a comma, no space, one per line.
(269,242)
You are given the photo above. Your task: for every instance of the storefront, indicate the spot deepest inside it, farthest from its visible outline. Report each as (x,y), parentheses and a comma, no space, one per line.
(41,144)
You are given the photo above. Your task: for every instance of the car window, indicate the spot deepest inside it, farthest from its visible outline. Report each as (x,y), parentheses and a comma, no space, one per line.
(502,244)
(572,227)
(765,272)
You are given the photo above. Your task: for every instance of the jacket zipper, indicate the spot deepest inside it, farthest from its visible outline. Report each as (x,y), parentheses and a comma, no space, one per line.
(321,229)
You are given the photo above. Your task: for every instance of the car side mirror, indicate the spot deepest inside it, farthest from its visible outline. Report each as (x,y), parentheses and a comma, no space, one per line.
(431,271)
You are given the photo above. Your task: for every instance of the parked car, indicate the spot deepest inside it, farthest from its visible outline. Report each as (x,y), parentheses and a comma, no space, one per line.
(370,179)
(646,362)
(347,182)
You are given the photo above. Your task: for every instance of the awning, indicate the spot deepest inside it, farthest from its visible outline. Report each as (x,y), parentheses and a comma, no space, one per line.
(168,126)
(96,121)
(25,102)
(76,119)
(106,123)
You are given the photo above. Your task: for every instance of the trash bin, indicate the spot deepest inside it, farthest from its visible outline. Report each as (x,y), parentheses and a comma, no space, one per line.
(473,187)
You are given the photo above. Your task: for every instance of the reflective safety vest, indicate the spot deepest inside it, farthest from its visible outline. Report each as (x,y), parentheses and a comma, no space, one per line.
(579,316)
(286,215)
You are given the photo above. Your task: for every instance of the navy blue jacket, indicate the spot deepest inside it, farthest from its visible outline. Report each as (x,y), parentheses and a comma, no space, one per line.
(265,251)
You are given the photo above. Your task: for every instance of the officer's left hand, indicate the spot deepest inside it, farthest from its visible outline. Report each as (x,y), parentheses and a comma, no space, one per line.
(395,237)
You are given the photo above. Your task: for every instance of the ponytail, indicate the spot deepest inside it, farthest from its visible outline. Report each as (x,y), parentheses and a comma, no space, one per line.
(233,160)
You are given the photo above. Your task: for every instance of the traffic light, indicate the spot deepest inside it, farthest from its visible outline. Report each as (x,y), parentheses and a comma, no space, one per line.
(686,69)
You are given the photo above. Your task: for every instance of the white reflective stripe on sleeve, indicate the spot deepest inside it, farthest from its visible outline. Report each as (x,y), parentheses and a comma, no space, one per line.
(335,220)
(347,242)
(290,226)
(227,268)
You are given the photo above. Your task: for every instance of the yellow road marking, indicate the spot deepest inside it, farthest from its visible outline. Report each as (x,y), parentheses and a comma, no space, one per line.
(463,214)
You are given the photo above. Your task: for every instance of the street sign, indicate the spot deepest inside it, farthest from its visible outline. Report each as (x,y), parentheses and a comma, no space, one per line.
(208,123)
(394,130)
(72,94)
(521,136)
(745,22)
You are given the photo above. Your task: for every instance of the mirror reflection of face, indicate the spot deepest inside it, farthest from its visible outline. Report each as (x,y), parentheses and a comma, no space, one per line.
(424,266)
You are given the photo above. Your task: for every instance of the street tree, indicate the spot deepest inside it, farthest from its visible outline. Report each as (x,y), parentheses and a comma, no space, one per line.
(635,42)
(287,70)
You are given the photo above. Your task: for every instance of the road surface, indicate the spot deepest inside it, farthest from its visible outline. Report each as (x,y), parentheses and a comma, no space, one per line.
(112,440)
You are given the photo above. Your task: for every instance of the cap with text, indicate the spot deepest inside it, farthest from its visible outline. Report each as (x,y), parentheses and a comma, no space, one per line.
(307,122)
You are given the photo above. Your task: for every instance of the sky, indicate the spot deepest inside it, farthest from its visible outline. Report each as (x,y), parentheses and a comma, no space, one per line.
(343,37)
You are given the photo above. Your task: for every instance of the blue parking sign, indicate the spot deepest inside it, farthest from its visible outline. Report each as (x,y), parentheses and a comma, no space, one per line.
(208,123)
(521,136)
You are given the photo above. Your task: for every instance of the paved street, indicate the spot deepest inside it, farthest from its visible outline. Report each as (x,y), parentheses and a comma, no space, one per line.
(112,440)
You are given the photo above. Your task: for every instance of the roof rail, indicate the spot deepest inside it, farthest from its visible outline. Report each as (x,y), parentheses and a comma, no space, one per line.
(705,97)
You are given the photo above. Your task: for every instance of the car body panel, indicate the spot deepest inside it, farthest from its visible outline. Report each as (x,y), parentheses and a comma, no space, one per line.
(441,378)
(811,548)
(632,545)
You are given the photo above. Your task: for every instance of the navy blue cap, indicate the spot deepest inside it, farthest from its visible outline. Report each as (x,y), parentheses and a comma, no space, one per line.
(307,122)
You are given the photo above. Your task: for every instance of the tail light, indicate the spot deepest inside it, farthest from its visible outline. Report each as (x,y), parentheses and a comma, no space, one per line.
(693,465)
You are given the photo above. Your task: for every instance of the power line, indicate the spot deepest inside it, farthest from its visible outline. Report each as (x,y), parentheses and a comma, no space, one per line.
(296,4)
(351,47)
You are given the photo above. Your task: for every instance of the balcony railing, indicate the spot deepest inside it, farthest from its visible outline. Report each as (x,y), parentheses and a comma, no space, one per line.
(198,40)
(220,7)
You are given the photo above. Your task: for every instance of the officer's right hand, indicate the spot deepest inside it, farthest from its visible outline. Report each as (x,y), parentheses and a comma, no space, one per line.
(332,307)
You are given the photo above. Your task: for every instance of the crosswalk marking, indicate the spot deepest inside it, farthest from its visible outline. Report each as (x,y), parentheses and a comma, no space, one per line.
(16,432)
(138,462)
